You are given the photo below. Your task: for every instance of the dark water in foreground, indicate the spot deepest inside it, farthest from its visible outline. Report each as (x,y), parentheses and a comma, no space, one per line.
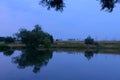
(48,65)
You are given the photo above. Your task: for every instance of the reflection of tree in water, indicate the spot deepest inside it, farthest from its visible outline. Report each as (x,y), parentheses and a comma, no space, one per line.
(33,58)
(89,54)
(8,52)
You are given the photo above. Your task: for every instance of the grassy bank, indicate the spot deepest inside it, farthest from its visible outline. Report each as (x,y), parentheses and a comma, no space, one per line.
(111,47)
(81,45)
(77,45)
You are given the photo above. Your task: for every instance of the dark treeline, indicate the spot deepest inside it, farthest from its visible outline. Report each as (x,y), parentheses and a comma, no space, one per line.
(7,39)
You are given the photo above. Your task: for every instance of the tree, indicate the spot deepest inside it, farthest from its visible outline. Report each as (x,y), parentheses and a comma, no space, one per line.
(37,28)
(2,39)
(47,42)
(9,40)
(89,41)
(35,37)
(108,4)
(59,4)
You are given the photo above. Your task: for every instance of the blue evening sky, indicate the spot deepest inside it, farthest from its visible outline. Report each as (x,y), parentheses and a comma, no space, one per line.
(79,19)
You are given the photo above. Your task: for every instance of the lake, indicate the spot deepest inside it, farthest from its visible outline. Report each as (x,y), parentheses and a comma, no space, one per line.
(58,65)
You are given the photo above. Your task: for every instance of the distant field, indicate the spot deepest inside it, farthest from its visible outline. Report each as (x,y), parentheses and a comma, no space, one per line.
(80,44)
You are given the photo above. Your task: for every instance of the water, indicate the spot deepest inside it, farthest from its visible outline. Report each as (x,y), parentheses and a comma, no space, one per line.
(58,65)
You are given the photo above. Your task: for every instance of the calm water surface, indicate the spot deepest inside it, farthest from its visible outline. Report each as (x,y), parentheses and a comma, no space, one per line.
(48,65)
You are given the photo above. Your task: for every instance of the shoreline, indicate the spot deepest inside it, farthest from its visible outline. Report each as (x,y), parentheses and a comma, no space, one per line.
(104,46)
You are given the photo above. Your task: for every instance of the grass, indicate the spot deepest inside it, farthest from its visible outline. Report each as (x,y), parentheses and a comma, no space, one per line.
(77,45)
(102,45)
(72,46)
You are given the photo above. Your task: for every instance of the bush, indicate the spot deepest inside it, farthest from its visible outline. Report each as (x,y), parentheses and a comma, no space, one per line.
(89,41)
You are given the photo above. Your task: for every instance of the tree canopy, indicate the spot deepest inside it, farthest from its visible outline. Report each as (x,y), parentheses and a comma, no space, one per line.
(89,41)
(34,38)
(59,4)
(9,39)
(108,4)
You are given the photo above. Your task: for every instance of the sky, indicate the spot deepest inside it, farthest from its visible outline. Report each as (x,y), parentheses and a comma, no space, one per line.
(80,18)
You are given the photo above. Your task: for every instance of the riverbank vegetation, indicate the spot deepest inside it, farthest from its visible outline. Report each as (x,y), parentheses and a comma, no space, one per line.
(34,38)
(38,39)
(82,45)
(73,45)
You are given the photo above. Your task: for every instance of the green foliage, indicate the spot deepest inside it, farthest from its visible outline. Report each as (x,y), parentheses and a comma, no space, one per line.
(46,42)
(89,41)
(9,40)
(35,37)
(4,47)
(59,4)
(108,4)
(2,39)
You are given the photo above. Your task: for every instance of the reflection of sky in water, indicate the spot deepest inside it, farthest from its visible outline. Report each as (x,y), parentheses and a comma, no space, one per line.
(65,66)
